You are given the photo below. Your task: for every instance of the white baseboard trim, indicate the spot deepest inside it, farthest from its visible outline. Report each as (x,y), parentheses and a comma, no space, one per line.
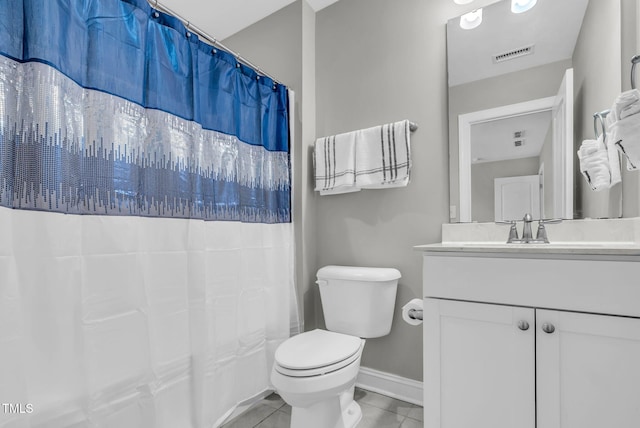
(242,407)
(391,385)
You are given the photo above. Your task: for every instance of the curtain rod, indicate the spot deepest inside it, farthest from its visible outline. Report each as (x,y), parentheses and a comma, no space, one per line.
(215,42)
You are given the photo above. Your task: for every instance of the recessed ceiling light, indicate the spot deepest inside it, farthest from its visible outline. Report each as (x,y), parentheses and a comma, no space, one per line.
(519,6)
(471,20)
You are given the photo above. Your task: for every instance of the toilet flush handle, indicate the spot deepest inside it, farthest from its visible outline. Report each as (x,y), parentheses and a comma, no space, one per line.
(321,282)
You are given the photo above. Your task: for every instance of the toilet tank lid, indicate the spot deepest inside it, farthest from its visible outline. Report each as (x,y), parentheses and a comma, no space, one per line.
(356,273)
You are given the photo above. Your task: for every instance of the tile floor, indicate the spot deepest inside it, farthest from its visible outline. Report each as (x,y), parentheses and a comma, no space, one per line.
(378,411)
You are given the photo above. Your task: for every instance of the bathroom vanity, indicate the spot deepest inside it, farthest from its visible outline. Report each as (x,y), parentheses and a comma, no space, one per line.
(533,335)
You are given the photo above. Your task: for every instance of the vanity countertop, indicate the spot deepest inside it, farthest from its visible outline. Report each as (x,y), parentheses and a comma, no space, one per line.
(610,237)
(577,248)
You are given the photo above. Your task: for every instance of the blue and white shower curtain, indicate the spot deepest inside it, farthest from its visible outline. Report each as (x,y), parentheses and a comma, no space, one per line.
(146,244)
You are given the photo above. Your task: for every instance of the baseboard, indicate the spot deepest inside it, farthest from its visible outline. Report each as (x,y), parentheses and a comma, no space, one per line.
(391,385)
(242,407)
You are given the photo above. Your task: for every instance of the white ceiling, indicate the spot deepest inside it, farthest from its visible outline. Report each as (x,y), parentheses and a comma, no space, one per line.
(495,140)
(223,18)
(552,26)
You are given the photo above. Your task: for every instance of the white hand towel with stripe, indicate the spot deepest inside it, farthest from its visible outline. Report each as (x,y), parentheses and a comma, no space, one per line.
(335,164)
(594,164)
(625,135)
(624,128)
(612,154)
(383,156)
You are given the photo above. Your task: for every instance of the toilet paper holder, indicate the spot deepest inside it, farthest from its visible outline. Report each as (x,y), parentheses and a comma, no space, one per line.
(415,314)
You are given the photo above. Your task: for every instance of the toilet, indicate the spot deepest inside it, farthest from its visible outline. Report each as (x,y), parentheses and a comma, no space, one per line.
(315,372)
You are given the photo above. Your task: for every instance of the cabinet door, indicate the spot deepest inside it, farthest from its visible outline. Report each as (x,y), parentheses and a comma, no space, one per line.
(588,370)
(479,365)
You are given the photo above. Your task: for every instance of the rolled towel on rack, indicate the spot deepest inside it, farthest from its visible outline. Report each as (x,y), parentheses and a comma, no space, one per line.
(612,154)
(626,104)
(594,164)
(335,164)
(383,156)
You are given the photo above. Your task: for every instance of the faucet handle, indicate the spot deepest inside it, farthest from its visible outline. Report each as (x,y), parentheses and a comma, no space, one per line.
(513,231)
(550,220)
(527,218)
(541,235)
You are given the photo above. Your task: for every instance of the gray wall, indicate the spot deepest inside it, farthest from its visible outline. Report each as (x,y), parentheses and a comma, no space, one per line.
(542,81)
(595,88)
(483,187)
(380,61)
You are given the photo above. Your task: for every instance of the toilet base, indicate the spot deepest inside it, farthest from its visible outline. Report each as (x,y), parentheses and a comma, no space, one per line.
(336,412)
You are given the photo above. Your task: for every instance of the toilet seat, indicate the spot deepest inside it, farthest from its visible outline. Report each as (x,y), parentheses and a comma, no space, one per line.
(317,352)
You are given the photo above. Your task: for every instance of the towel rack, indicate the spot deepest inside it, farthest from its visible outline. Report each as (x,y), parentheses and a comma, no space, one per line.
(413,127)
(634,61)
(599,117)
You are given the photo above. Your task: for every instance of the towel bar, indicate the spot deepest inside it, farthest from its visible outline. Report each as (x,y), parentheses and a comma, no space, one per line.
(412,126)
(600,116)
(634,61)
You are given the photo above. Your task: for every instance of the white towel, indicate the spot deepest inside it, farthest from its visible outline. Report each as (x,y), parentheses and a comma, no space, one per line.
(594,164)
(373,158)
(390,185)
(626,104)
(340,190)
(383,156)
(612,154)
(335,164)
(625,135)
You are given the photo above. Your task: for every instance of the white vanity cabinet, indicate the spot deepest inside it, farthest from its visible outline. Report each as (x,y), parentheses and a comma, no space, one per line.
(479,367)
(530,340)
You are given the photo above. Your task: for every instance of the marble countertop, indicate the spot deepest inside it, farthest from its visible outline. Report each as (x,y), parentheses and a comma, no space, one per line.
(583,248)
(610,237)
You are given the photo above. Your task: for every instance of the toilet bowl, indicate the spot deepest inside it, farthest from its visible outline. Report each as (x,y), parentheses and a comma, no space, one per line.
(315,372)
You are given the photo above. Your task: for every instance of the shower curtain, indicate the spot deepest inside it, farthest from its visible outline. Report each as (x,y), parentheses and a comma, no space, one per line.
(146,244)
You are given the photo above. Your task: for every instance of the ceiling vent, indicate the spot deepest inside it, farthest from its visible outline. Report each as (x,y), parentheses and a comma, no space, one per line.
(513,54)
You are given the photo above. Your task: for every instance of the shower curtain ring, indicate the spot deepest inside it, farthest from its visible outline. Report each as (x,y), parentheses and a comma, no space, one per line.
(188,32)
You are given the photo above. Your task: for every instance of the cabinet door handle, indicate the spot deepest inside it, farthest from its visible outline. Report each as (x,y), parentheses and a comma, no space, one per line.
(523,325)
(548,328)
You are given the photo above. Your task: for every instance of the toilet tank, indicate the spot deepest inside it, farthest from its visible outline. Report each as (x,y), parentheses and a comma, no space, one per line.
(358,300)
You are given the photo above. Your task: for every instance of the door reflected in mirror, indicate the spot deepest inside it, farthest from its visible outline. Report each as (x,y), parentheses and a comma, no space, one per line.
(502,149)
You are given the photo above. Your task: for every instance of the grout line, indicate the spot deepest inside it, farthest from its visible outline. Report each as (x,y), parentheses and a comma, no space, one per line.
(270,416)
(266,417)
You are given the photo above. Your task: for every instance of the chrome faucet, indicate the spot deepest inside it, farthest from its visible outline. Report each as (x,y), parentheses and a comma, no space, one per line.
(527,237)
(527,234)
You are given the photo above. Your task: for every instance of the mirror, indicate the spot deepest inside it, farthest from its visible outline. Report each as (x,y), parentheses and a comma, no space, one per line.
(522,91)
